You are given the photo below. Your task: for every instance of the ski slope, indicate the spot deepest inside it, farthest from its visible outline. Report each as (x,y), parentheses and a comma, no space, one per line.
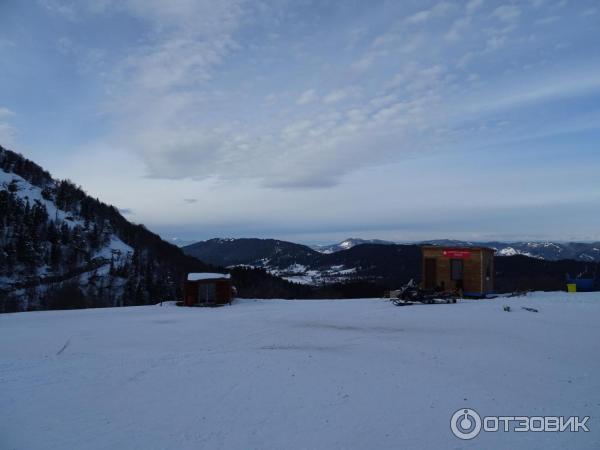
(343,374)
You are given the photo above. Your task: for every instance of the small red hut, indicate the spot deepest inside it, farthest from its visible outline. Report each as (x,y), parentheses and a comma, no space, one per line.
(207,289)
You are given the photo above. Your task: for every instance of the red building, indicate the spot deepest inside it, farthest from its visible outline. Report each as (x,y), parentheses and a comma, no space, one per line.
(206,289)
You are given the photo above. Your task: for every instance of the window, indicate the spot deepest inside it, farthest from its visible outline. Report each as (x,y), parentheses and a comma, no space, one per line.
(456,269)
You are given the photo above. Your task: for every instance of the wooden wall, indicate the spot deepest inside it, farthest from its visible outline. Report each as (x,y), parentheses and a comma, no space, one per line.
(222,291)
(475,274)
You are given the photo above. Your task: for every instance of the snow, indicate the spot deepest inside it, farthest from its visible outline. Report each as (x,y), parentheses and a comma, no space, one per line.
(510,251)
(291,270)
(207,276)
(28,191)
(507,251)
(310,277)
(347,245)
(345,374)
(115,247)
(296,268)
(298,273)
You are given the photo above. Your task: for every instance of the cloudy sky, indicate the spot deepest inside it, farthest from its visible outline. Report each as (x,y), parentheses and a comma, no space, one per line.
(315,120)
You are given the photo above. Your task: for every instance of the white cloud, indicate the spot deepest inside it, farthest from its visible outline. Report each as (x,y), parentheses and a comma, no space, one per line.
(211,100)
(547,20)
(364,63)
(495,42)
(160,89)
(473,5)
(457,28)
(64,8)
(436,11)
(335,96)
(507,13)
(562,85)
(198,98)
(5,112)
(7,43)
(307,96)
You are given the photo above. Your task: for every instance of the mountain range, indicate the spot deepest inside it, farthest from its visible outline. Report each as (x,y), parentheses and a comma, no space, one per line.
(382,263)
(552,251)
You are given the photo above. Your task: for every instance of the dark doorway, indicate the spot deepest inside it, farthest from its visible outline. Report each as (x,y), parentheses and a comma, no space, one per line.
(456,269)
(206,293)
(456,272)
(430,273)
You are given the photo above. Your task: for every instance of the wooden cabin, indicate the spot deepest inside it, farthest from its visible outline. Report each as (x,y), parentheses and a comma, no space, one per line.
(469,270)
(207,289)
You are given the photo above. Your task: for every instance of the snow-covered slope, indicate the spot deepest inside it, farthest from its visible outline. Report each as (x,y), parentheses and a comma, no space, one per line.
(349,374)
(110,251)
(60,248)
(33,194)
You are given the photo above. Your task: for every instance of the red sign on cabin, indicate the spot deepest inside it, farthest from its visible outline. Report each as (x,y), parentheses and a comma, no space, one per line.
(460,254)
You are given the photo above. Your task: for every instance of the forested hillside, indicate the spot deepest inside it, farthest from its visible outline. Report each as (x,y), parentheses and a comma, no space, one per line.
(60,248)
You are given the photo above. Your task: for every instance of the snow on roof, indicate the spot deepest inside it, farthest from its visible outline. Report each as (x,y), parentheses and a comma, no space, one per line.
(207,276)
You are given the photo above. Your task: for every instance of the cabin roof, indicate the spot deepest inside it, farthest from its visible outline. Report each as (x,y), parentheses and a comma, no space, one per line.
(207,276)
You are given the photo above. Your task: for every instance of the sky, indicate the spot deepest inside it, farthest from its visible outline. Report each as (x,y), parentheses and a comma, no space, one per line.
(315,121)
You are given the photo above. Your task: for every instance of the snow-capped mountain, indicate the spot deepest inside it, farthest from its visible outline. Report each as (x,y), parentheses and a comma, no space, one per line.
(551,251)
(348,244)
(255,252)
(179,242)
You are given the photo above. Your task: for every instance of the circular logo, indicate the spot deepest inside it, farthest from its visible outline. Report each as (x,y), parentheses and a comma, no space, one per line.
(465,424)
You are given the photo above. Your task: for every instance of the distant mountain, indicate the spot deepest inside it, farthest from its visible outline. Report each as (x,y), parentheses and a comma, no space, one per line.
(251,252)
(181,242)
(348,244)
(552,251)
(302,264)
(373,262)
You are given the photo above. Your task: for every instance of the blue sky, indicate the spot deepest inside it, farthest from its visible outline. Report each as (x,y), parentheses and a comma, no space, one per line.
(315,121)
